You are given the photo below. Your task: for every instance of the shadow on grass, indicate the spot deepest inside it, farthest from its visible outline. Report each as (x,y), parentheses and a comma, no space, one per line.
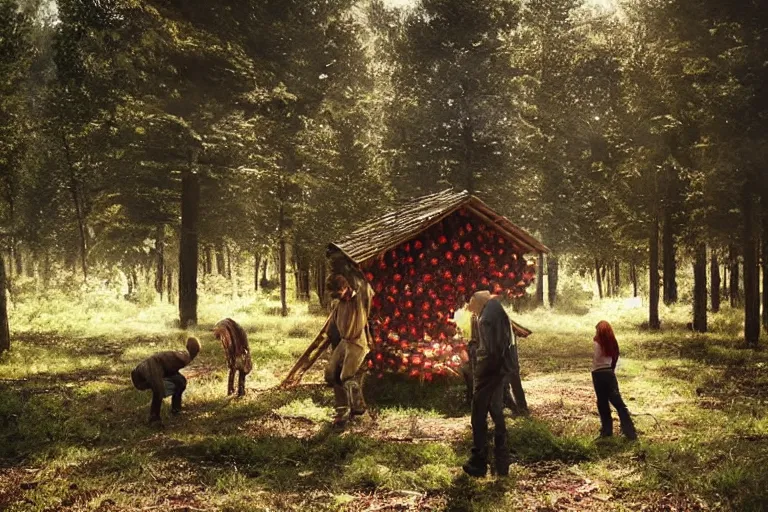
(446,396)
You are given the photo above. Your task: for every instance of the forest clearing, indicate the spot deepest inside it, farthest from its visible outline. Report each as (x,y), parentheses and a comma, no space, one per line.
(77,437)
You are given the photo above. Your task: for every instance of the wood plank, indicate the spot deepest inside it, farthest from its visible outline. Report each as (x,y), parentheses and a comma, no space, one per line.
(310,355)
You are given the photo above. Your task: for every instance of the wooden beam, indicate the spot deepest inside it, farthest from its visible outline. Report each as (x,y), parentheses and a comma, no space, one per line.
(308,358)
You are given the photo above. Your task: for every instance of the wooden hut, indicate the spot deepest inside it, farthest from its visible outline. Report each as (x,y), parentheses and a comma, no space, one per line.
(424,260)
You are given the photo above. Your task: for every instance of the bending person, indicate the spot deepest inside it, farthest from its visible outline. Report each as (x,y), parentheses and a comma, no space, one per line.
(160,373)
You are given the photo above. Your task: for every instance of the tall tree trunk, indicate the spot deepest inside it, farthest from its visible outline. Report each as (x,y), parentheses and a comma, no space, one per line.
(302,275)
(220,262)
(751,272)
(188,256)
(232,272)
(208,260)
(320,276)
(540,280)
(617,276)
(5,333)
(294,263)
(700,289)
(129,282)
(228,261)
(725,288)
(256,268)
(608,282)
(264,265)
(653,285)
(169,285)
(765,260)
(77,200)
(304,283)
(552,276)
(281,256)
(733,289)
(160,269)
(32,262)
(135,278)
(46,273)
(714,270)
(17,259)
(599,279)
(605,281)
(670,264)
(633,277)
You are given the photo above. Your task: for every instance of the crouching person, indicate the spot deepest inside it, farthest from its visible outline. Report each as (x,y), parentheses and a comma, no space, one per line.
(350,333)
(234,340)
(160,374)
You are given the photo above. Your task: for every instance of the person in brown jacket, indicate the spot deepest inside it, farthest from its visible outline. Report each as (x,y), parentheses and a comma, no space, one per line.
(352,305)
(160,373)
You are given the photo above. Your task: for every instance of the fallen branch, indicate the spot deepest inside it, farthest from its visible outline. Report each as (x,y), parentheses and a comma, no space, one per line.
(658,424)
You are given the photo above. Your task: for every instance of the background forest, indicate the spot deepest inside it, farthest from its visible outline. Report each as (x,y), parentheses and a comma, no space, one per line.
(142,140)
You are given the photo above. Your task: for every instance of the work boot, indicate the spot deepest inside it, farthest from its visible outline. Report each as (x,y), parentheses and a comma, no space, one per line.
(176,405)
(629,432)
(354,398)
(341,417)
(476,466)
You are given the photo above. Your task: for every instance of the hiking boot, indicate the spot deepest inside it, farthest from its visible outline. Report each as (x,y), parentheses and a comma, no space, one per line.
(476,467)
(354,398)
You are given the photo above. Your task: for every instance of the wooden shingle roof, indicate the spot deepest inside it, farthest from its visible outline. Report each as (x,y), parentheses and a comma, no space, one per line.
(398,226)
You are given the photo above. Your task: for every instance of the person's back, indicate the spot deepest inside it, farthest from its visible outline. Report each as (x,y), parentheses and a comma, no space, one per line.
(493,351)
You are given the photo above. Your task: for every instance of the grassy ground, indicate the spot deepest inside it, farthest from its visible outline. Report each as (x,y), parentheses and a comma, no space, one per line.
(73,433)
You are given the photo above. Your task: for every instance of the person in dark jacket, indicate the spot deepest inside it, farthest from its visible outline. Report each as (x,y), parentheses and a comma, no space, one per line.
(493,365)
(604,359)
(514,395)
(160,373)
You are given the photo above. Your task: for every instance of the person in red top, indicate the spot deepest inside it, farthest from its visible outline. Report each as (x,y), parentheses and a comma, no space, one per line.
(606,354)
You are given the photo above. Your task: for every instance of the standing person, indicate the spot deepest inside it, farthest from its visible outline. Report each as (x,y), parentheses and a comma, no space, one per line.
(352,303)
(160,373)
(493,365)
(606,354)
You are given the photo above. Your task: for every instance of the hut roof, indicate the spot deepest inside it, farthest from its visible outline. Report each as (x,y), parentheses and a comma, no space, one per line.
(395,227)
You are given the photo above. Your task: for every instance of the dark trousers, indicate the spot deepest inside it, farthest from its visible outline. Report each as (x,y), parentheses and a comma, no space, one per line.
(607,391)
(488,398)
(173,386)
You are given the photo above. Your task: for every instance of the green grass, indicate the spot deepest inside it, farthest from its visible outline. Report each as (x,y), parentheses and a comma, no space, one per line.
(73,431)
